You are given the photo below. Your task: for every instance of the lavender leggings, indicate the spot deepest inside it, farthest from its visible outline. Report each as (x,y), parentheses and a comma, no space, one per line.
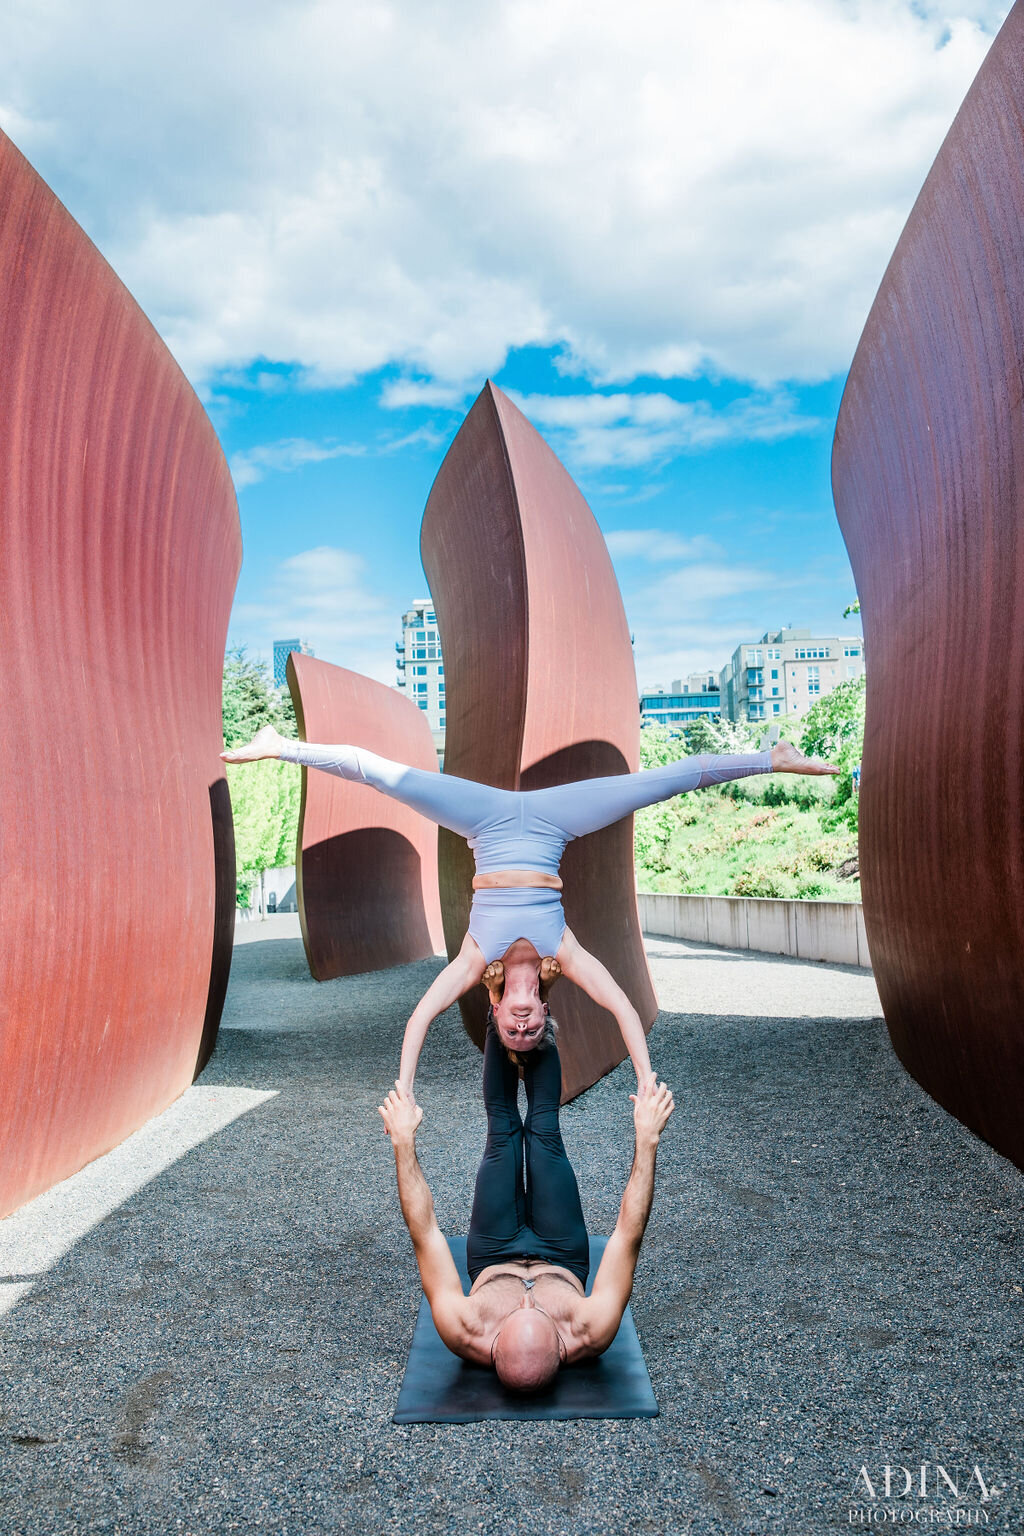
(522,829)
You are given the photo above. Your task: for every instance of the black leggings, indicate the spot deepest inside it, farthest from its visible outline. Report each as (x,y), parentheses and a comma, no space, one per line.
(542,1218)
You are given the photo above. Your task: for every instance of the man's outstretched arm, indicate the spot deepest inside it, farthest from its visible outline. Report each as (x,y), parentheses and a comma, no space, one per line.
(438,1275)
(613,1285)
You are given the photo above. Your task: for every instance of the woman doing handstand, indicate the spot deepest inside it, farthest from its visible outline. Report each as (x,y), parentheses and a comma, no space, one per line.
(517,941)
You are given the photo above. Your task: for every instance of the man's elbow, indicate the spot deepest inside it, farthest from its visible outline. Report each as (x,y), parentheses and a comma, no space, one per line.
(602,1335)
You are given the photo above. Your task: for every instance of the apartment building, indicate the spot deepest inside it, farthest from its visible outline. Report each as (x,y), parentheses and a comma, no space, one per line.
(786,672)
(421,666)
(282,650)
(685,700)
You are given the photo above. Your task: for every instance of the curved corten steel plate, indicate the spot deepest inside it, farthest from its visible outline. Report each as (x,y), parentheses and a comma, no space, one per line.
(541,690)
(121,549)
(366,866)
(928,474)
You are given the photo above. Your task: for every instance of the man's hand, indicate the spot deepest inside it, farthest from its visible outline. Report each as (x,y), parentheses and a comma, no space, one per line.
(401,1115)
(652,1106)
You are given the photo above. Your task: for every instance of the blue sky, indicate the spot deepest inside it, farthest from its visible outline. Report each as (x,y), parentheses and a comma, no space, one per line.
(660,231)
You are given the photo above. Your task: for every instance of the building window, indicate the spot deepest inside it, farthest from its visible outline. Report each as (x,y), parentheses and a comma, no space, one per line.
(442,722)
(775,673)
(775,709)
(813,680)
(419,671)
(851,650)
(775,693)
(851,671)
(422,703)
(431,619)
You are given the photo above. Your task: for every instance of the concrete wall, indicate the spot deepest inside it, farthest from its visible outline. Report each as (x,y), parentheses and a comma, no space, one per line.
(279,892)
(811,930)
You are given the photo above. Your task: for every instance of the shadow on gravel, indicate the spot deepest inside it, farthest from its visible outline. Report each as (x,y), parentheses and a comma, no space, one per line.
(829,1276)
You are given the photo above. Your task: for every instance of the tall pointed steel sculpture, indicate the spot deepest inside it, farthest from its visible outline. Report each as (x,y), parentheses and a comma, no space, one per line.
(928,473)
(121,549)
(541,689)
(366,866)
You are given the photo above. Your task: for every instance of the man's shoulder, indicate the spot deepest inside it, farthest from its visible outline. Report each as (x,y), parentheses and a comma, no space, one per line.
(460,1327)
(456,1323)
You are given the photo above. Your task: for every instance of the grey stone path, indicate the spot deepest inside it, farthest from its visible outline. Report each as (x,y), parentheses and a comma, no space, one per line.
(205,1331)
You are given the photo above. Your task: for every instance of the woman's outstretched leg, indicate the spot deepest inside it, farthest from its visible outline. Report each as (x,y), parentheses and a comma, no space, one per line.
(459,804)
(590,804)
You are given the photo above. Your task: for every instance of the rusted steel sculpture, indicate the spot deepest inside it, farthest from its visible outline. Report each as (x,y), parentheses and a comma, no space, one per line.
(366,867)
(541,690)
(121,549)
(928,473)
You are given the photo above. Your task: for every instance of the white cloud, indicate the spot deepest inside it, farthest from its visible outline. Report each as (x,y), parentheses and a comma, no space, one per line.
(690,613)
(603,430)
(670,187)
(655,544)
(324,596)
(400,393)
(250,465)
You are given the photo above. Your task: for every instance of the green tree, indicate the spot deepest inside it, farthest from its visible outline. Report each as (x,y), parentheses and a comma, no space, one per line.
(264,795)
(836,722)
(250,700)
(287,725)
(265,808)
(833,728)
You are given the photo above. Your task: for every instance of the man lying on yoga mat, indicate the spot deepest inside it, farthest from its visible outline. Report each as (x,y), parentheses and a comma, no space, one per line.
(527,1312)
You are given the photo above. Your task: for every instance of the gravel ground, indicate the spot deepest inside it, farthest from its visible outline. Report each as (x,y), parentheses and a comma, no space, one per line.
(206,1330)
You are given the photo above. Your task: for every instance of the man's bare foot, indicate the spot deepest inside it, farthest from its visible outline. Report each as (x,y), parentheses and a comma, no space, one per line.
(550,970)
(266,743)
(788,759)
(493,979)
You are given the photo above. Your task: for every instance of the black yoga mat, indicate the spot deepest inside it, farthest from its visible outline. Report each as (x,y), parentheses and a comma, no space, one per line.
(439,1388)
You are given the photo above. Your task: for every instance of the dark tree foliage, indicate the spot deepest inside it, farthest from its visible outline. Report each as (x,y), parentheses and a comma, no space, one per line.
(251,701)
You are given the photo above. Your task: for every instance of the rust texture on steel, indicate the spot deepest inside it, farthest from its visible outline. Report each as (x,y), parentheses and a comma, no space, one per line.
(541,690)
(121,548)
(928,474)
(366,866)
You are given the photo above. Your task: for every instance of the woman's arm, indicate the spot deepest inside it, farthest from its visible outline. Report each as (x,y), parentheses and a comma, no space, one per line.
(587,972)
(462,973)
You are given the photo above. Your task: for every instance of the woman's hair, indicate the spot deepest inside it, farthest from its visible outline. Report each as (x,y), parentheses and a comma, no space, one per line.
(547,1039)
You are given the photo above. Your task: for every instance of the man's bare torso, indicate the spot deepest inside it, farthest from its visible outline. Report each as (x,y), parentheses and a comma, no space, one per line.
(499,1290)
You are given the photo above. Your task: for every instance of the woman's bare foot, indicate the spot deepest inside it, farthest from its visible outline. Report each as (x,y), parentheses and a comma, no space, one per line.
(550,970)
(266,743)
(493,979)
(788,759)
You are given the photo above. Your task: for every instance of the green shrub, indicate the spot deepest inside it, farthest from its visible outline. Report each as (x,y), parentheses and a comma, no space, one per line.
(758,880)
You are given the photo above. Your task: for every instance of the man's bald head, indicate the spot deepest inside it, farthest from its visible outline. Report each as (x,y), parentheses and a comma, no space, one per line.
(527,1352)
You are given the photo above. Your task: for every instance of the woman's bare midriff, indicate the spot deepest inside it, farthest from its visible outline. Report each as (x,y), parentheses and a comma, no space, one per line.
(516,879)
